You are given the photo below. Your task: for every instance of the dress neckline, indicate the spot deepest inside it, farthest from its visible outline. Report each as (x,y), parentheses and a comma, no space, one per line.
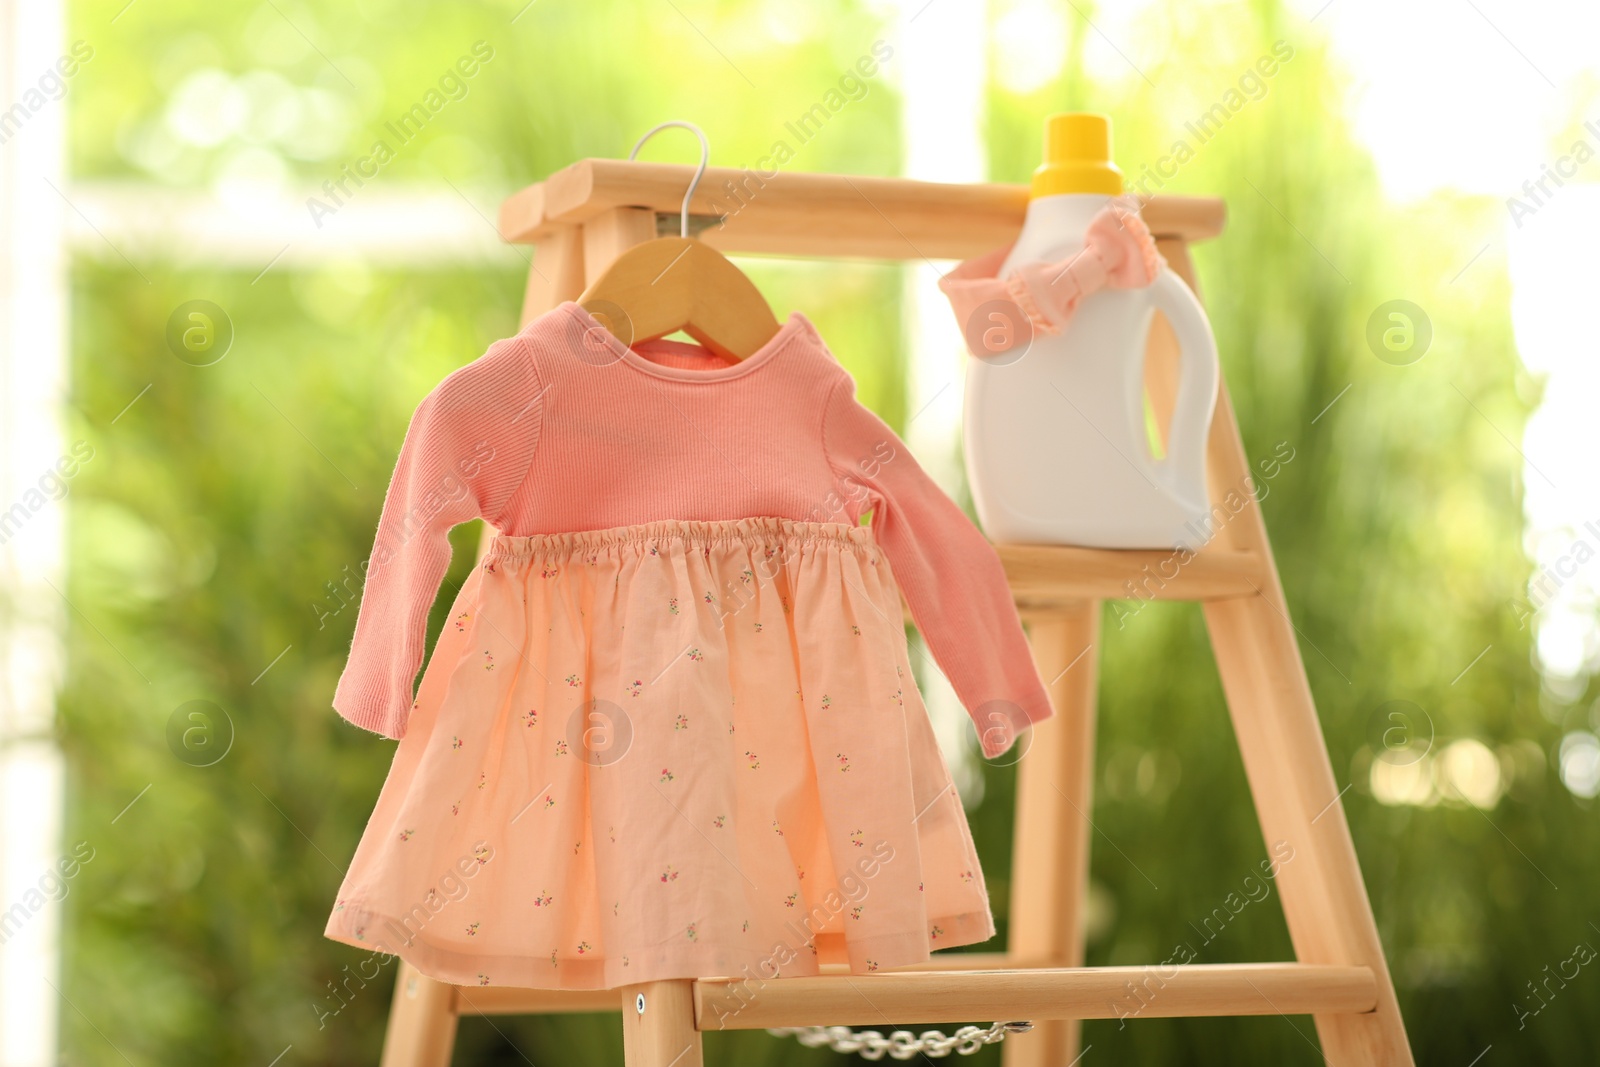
(597,337)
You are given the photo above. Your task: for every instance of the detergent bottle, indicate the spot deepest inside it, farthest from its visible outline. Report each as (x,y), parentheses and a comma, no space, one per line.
(1057,449)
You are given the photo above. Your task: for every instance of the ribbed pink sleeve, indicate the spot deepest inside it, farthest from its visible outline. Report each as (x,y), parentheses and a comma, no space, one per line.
(466,452)
(949,572)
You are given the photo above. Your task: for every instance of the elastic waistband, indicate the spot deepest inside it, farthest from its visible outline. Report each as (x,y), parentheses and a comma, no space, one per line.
(761,530)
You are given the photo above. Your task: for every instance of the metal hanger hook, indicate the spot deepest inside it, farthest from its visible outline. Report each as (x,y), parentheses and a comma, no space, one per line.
(705,158)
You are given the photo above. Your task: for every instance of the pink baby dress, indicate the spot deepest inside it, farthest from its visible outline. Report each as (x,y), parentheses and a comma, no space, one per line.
(670,728)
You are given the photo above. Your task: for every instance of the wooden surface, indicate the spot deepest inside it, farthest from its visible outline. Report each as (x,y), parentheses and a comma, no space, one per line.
(508,1000)
(1055,794)
(880,1000)
(801,214)
(680,283)
(1045,576)
(1297,798)
(664,1033)
(556,273)
(609,234)
(422,1021)
(946,961)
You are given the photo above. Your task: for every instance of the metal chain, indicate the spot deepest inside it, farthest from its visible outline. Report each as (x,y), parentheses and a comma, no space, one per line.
(901,1044)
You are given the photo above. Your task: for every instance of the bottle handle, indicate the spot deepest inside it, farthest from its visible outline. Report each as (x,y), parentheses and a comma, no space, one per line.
(1198,375)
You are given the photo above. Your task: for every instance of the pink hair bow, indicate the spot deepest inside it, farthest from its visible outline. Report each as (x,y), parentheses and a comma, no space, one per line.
(1118,253)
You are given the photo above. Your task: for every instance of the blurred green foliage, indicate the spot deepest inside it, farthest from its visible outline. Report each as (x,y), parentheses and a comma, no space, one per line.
(222,504)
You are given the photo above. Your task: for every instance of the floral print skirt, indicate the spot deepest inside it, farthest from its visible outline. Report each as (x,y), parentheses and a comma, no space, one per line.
(671,750)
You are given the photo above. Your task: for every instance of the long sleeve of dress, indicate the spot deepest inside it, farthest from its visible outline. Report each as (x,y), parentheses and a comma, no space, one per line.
(949,572)
(466,452)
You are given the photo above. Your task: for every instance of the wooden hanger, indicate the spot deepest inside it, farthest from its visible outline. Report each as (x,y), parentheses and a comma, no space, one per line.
(680,283)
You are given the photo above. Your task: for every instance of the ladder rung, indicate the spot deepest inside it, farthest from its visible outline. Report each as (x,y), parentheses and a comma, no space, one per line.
(891,218)
(954,961)
(509,1000)
(1043,576)
(891,999)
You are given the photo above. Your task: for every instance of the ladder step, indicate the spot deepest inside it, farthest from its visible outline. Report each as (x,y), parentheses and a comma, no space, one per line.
(891,999)
(891,218)
(511,1000)
(1044,576)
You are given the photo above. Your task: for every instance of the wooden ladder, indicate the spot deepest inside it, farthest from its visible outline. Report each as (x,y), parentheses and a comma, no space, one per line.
(581,218)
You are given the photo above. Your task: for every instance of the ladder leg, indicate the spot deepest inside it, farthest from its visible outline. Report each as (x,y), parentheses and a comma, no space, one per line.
(556,273)
(422,1021)
(1298,803)
(663,1034)
(1055,793)
(611,233)
(1296,796)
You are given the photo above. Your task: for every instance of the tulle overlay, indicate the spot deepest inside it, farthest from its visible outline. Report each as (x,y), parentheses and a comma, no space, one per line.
(675,749)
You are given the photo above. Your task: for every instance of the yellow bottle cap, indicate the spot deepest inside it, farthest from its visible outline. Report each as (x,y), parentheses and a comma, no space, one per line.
(1077,156)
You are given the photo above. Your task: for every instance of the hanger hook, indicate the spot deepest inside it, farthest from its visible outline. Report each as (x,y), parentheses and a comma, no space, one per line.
(705,157)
